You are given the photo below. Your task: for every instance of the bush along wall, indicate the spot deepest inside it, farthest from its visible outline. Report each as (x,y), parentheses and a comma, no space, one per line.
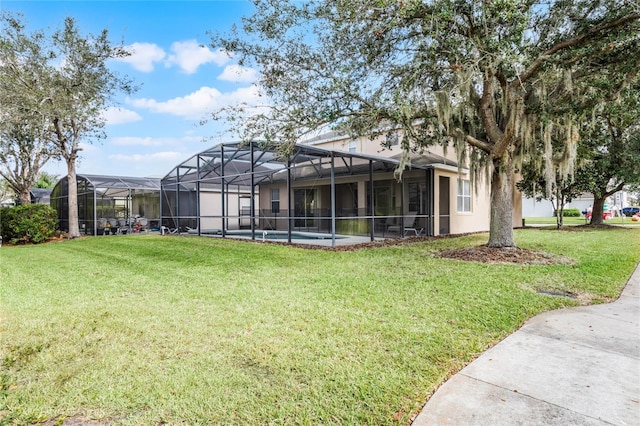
(30,223)
(569,213)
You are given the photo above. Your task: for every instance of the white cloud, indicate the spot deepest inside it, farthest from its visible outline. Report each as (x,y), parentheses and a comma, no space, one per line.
(244,95)
(206,99)
(238,74)
(143,56)
(117,115)
(150,141)
(189,55)
(192,106)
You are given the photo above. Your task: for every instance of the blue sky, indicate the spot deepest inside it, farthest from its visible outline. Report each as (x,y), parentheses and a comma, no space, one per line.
(157,127)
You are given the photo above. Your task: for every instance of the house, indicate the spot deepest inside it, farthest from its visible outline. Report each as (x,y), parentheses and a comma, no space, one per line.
(544,208)
(327,187)
(210,192)
(584,202)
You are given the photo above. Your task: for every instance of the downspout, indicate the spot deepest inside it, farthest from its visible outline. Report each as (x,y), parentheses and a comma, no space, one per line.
(371,207)
(253,193)
(227,203)
(333,201)
(95,211)
(402,212)
(431,200)
(199,219)
(289,200)
(161,209)
(178,199)
(222,216)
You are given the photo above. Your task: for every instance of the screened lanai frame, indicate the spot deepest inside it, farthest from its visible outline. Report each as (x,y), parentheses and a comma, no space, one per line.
(103,197)
(237,174)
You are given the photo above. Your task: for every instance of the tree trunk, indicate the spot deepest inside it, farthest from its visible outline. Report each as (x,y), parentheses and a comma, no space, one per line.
(24,197)
(560,209)
(74,228)
(556,202)
(560,218)
(597,211)
(501,226)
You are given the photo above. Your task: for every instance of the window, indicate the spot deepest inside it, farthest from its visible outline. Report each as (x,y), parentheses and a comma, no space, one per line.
(391,139)
(304,204)
(418,197)
(464,195)
(275,200)
(352,146)
(384,198)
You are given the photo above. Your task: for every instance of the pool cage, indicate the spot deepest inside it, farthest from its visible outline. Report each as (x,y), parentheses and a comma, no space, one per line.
(110,204)
(250,189)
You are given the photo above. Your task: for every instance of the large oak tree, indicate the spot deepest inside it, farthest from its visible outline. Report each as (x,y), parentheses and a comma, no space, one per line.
(481,75)
(23,148)
(71,88)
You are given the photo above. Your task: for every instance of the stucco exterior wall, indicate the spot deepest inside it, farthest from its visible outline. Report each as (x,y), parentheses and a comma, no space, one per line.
(211,210)
(476,220)
(460,222)
(364,145)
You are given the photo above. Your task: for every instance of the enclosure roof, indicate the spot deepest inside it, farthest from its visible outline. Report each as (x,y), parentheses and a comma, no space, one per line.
(234,162)
(122,182)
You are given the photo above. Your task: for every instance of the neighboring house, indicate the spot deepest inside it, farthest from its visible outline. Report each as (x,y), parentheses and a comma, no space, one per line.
(8,202)
(584,202)
(544,208)
(329,185)
(118,201)
(40,195)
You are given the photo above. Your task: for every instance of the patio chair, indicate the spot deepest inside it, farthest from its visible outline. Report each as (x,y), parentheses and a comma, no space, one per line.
(113,226)
(141,225)
(102,224)
(123,227)
(409,225)
(165,230)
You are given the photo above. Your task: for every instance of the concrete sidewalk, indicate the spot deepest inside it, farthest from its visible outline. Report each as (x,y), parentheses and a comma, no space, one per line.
(574,366)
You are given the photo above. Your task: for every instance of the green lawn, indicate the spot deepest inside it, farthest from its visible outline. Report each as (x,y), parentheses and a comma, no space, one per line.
(152,330)
(570,221)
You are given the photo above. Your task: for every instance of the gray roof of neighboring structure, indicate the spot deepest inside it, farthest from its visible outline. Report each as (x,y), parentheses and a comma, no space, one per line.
(40,192)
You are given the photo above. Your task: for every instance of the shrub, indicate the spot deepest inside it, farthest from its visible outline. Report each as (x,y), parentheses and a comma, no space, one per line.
(30,223)
(568,213)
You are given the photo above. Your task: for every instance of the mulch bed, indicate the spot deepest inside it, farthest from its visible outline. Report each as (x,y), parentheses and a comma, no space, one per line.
(509,255)
(482,254)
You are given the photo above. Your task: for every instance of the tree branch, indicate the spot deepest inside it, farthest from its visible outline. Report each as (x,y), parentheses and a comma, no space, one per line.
(477,143)
(494,134)
(614,190)
(535,66)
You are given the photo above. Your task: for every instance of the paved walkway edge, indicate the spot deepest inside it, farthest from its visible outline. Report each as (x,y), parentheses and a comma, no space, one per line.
(573,366)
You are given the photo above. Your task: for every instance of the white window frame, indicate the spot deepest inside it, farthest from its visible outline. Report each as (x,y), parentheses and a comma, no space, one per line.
(275,200)
(352,146)
(464,196)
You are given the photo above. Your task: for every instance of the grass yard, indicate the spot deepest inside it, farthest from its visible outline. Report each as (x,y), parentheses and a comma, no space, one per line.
(572,221)
(153,330)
